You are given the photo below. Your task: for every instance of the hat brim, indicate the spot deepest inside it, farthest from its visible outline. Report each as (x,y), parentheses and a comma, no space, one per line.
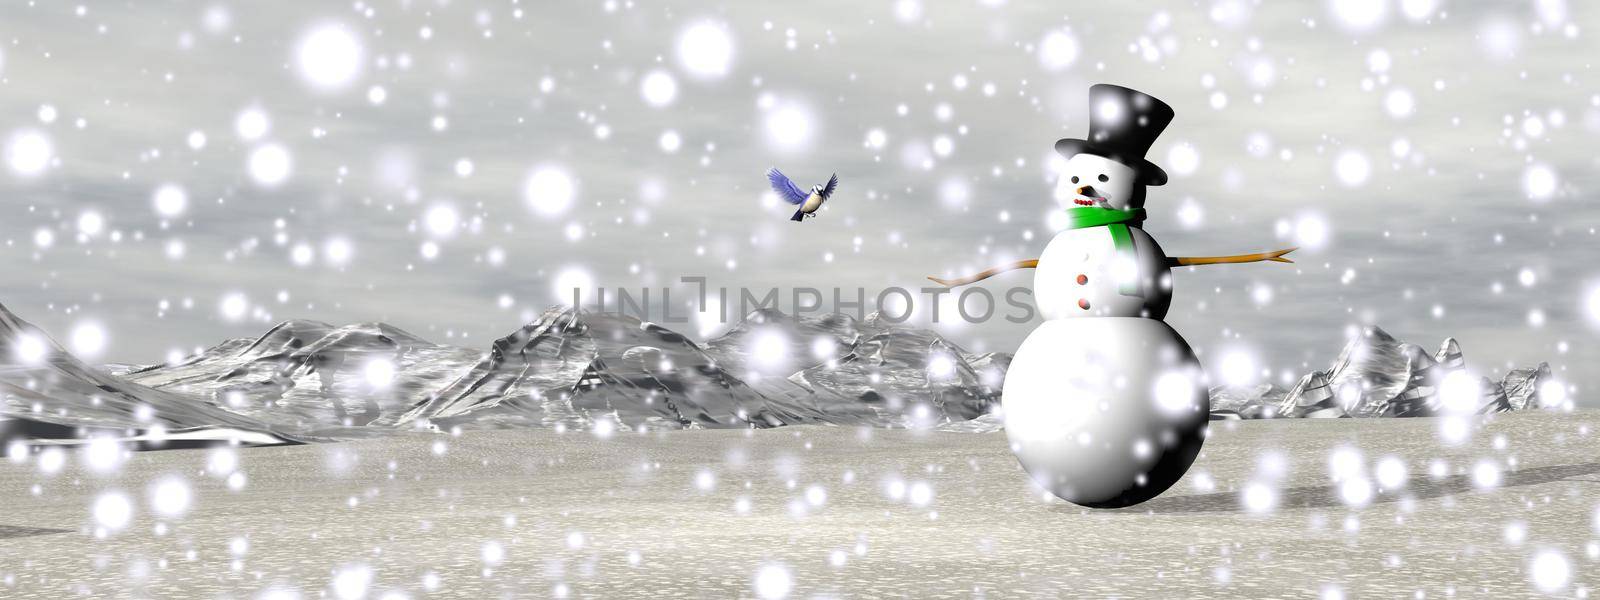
(1148,172)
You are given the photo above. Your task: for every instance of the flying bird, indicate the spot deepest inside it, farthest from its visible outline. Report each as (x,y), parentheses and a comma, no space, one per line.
(808,202)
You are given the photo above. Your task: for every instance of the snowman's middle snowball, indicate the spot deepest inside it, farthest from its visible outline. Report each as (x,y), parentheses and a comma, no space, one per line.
(1081,275)
(1105,412)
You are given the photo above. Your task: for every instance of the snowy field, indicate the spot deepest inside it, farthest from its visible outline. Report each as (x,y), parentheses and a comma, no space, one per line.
(1358,508)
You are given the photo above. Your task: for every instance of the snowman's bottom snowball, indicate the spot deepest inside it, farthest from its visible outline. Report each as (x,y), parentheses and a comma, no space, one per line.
(1105,412)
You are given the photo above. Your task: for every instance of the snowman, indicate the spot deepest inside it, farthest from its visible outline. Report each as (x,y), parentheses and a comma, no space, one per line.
(1104,404)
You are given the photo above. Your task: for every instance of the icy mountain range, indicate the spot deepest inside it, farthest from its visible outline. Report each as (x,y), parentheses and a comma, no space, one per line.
(1379,376)
(311,381)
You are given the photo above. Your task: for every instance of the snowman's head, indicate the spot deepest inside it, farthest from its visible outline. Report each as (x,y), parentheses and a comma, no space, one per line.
(1089,180)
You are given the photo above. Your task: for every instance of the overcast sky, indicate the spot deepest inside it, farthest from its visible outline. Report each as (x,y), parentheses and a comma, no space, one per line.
(1434,158)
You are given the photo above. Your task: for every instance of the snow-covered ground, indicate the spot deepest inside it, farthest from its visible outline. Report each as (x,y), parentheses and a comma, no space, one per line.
(1369,508)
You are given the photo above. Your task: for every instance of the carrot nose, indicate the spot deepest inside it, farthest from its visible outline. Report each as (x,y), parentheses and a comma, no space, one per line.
(1087,190)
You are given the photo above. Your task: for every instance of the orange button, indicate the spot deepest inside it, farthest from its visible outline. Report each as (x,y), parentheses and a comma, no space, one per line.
(1083,279)
(1083,303)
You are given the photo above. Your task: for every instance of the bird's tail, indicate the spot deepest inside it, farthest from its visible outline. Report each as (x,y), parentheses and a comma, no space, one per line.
(799,215)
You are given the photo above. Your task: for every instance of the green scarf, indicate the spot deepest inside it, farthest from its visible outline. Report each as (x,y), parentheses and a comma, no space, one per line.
(1117,221)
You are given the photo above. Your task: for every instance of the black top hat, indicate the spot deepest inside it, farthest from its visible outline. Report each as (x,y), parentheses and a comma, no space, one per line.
(1123,124)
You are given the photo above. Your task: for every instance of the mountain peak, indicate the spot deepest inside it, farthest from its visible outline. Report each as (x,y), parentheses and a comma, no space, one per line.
(765,315)
(1449,354)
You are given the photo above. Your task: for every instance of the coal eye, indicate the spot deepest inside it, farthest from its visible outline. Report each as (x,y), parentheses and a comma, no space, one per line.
(1074,178)
(1104,179)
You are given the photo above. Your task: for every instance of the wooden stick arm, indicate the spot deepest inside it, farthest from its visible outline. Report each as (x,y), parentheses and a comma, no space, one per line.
(1273,256)
(1172,261)
(1021,264)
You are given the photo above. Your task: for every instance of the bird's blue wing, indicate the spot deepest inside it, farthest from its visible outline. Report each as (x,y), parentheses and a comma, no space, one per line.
(833,182)
(785,188)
